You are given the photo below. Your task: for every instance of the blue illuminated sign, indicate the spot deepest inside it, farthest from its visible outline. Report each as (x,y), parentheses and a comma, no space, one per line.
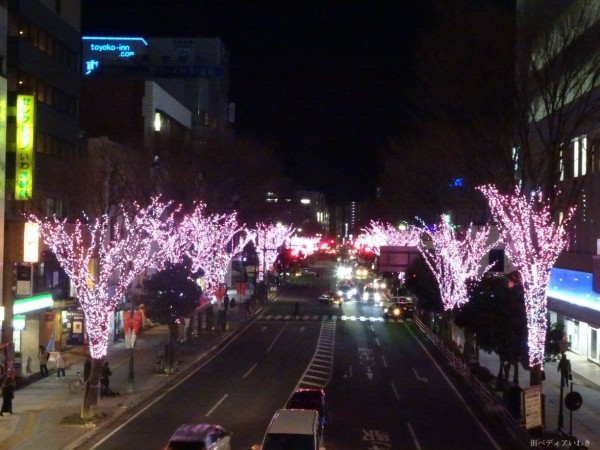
(574,287)
(97,49)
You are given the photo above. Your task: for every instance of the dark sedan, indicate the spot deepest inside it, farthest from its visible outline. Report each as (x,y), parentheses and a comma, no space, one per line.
(400,310)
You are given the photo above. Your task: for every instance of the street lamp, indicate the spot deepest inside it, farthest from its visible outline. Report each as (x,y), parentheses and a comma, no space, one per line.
(563,345)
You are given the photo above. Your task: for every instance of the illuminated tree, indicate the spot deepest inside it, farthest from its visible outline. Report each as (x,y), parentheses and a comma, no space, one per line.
(455,258)
(210,241)
(102,257)
(268,238)
(533,243)
(378,234)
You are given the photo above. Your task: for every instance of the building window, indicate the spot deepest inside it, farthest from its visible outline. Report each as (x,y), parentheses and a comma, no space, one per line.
(54,207)
(580,156)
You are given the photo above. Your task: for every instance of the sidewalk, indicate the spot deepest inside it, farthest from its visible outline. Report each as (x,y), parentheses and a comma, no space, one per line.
(40,405)
(586,381)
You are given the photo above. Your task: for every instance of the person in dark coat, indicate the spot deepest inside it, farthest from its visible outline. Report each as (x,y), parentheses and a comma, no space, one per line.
(43,357)
(564,367)
(8,393)
(105,375)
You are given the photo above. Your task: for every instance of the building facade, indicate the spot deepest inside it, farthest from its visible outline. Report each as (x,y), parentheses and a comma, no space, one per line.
(40,136)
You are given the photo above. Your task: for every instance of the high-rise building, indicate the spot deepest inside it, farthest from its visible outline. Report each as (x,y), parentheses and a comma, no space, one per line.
(194,71)
(40,47)
(567,58)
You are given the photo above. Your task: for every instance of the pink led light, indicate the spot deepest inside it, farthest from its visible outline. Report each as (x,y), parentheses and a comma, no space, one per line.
(378,234)
(533,243)
(454,258)
(123,245)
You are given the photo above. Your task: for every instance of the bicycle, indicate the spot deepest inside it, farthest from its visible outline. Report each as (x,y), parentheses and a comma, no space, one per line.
(77,385)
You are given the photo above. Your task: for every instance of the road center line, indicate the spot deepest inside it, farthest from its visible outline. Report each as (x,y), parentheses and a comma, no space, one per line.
(276,338)
(395,391)
(216,405)
(250,370)
(414,436)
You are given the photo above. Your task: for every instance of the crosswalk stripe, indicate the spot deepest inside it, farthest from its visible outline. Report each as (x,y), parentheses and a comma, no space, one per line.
(333,318)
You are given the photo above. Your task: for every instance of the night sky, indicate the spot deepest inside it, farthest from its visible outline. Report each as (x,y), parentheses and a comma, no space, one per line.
(326,80)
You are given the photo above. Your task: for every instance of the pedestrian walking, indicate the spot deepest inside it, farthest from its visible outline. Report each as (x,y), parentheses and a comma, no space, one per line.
(8,394)
(564,367)
(61,364)
(87,368)
(226,302)
(296,309)
(105,375)
(43,357)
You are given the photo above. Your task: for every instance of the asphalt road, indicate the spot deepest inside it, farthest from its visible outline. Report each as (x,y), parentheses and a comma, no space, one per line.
(386,389)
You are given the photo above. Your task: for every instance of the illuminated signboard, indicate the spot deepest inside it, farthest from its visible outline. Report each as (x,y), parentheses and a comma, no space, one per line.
(31,242)
(24,159)
(19,322)
(99,49)
(24,305)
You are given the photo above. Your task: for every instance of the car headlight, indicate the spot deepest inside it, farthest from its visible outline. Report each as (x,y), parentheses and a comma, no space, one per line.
(353,291)
(340,293)
(382,285)
(396,311)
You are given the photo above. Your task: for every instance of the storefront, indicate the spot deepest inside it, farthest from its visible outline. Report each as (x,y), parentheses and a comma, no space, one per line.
(572,301)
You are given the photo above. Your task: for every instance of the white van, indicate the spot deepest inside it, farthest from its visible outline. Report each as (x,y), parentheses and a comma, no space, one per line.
(293,429)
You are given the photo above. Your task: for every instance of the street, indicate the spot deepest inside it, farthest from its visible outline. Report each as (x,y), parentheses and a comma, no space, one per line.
(386,390)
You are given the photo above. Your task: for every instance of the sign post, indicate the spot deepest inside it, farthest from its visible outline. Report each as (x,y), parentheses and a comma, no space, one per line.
(533,406)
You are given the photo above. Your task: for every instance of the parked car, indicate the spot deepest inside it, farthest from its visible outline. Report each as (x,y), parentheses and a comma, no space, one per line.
(200,436)
(310,398)
(296,429)
(403,308)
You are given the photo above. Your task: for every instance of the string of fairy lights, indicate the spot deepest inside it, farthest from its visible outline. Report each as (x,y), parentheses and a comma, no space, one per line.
(533,242)
(378,234)
(103,256)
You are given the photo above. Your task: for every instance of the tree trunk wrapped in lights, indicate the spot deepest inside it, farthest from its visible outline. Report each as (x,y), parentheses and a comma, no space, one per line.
(122,244)
(455,258)
(268,238)
(211,241)
(533,243)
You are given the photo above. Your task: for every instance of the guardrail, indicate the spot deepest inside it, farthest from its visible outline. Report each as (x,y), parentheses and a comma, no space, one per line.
(482,391)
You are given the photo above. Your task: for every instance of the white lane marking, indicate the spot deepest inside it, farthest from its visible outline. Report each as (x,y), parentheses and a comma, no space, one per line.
(414,436)
(377,341)
(262,330)
(462,400)
(211,410)
(276,337)
(250,370)
(422,379)
(219,348)
(384,361)
(302,329)
(395,390)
